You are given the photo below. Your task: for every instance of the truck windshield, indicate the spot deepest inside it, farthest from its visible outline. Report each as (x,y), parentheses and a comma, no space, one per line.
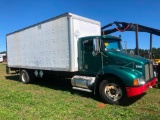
(112,44)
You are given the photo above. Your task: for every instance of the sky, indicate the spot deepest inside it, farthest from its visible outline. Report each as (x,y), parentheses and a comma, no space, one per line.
(17,14)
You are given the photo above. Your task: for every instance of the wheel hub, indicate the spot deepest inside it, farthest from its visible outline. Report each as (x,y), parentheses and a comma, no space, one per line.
(113,92)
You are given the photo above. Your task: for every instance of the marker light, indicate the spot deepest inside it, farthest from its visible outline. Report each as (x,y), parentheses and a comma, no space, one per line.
(135,82)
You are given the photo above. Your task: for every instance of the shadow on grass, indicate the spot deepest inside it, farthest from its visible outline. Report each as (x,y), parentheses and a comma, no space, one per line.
(55,83)
(13,77)
(132,100)
(64,84)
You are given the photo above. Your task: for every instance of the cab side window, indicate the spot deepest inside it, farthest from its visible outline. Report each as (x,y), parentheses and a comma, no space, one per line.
(88,45)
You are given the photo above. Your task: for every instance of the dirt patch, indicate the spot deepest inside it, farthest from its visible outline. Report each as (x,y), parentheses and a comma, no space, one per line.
(101,105)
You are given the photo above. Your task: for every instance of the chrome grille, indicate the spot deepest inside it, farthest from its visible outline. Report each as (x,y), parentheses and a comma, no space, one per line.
(151,71)
(146,72)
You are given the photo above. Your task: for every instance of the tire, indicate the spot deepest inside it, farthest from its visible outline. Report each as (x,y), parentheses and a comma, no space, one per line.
(25,77)
(113,92)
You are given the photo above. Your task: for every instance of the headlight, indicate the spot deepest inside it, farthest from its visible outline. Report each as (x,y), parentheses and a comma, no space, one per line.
(138,81)
(155,74)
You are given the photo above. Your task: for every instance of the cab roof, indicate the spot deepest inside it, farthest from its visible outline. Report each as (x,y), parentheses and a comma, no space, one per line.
(102,37)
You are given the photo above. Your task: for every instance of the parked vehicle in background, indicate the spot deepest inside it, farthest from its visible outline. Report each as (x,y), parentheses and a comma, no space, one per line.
(2,57)
(72,45)
(156,61)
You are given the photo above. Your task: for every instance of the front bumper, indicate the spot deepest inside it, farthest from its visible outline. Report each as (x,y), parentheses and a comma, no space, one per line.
(134,91)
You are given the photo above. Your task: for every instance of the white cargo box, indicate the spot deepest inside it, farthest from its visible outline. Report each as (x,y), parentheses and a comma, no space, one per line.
(51,44)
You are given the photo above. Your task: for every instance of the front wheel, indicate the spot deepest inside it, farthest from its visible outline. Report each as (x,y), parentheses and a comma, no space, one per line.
(112,91)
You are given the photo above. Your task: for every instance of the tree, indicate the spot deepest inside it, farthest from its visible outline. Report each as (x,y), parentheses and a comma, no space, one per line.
(145,52)
(3,52)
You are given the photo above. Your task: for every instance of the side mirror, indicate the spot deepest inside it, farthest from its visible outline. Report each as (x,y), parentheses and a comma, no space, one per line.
(96,46)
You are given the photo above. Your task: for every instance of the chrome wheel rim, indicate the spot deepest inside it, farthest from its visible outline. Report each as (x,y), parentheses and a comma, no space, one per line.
(23,77)
(113,91)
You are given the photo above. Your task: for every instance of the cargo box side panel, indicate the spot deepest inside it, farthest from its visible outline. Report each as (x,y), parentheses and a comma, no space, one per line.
(82,27)
(44,46)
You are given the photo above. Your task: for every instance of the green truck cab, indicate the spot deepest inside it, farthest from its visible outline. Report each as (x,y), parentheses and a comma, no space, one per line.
(118,75)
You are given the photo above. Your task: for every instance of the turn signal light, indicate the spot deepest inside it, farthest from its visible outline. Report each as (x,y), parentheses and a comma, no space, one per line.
(135,82)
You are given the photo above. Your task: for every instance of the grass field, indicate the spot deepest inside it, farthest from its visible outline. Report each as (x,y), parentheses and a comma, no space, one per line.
(54,99)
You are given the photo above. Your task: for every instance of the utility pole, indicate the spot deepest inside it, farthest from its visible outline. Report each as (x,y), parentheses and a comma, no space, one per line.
(125,45)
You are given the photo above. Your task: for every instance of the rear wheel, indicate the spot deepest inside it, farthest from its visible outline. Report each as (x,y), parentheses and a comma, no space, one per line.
(112,91)
(25,77)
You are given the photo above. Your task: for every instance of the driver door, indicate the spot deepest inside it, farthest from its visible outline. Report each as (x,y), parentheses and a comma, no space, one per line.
(91,63)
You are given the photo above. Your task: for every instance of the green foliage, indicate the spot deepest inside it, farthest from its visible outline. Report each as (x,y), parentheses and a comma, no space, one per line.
(55,100)
(3,52)
(156,52)
(145,52)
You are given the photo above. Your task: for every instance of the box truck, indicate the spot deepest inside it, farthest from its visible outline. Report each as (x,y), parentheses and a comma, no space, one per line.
(72,45)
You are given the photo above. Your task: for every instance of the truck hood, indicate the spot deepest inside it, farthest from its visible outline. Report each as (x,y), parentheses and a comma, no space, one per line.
(125,59)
